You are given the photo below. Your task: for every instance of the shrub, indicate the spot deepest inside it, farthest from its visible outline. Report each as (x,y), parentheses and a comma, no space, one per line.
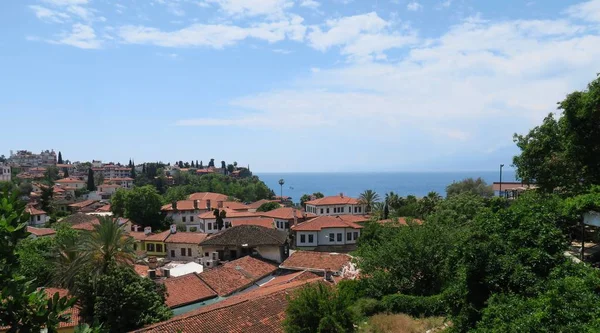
(366,307)
(414,305)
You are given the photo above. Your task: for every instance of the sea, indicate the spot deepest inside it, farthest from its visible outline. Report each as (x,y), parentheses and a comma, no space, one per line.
(353,183)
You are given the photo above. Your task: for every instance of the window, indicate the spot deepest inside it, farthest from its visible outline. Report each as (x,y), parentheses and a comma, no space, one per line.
(183,252)
(183,219)
(159,248)
(355,235)
(172,253)
(339,237)
(191,219)
(135,246)
(286,225)
(209,226)
(327,210)
(311,238)
(302,238)
(349,236)
(360,209)
(150,247)
(321,210)
(189,252)
(331,237)
(342,209)
(38,217)
(206,254)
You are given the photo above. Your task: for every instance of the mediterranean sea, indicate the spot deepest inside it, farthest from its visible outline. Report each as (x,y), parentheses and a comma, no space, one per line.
(354,183)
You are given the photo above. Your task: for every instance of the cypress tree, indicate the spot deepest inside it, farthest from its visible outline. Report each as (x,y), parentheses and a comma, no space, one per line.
(90,181)
(197,164)
(60,160)
(65,173)
(144,169)
(133,175)
(201,166)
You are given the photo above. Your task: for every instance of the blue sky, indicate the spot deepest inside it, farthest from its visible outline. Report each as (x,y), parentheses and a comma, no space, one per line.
(290,85)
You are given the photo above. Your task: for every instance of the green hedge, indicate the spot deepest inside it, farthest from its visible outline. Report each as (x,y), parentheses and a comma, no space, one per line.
(415,306)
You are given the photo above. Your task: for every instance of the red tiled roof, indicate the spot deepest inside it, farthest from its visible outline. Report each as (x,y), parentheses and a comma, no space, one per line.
(316,261)
(237,274)
(137,235)
(355,218)
(69,180)
(287,277)
(257,311)
(41,231)
(321,222)
(186,289)
(160,237)
(74,311)
(105,208)
(108,180)
(260,221)
(89,226)
(259,203)
(141,270)
(186,237)
(285,213)
(213,197)
(333,200)
(109,186)
(189,205)
(82,203)
(34,211)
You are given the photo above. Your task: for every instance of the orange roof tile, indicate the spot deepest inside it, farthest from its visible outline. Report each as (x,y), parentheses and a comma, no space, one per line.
(105,208)
(288,276)
(141,270)
(69,180)
(186,205)
(213,197)
(186,289)
(186,237)
(237,274)
(355,218)
(160,237)
(41,231)
(74,311)
(89,226)
(316,261)
(229,213)
(260,221)
(82,204)
(318,223)
(285,213)
(34,211)
(117,179)
(137,235)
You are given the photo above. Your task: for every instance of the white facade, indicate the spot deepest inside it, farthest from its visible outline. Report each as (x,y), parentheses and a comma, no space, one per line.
(347,209)
(5,175)
(327,236)
(77,184)
(183,252)
(29,159)
(38,220)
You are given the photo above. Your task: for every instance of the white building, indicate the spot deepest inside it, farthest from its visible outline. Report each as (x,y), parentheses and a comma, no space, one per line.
(208,221)
(335,205)
(71,182)
(184,246)
(124,182)
(26,158)
(326,231)
(5,175)
(115,171)
(37,217)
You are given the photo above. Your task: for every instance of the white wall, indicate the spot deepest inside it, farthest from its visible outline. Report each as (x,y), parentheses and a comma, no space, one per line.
(37,220)
(322,237)
(336,209)
(196,251)
(270,252)
(315,235)
(191,216)
(280,224)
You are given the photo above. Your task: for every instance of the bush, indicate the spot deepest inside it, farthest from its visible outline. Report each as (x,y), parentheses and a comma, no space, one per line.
(366,307)
(416,306)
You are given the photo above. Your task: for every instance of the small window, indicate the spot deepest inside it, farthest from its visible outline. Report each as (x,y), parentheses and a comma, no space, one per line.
(183,219)
(135,246)
(206,254)
(209,226)
(183,252)
(311,238)
(339,237)
(286,225)
(150,247)
(355,235)
(191,219)
(172,253)
(159,248)
(302,238)
(331,237)
(189,252)
(321,210)
(38,217)
(349,236)
(327,210)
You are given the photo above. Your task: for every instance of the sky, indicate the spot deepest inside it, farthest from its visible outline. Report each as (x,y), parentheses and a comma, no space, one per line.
(290,85)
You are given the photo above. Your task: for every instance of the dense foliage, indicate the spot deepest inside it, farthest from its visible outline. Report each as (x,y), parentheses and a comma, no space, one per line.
(469,185)
(267,206)
(141,205)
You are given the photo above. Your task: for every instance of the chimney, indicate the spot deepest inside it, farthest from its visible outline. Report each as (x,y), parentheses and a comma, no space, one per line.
(208,204)
(196,204)
(173,228)
(328,276)
(147,230)
(174,205)
(341,194)
(219,204)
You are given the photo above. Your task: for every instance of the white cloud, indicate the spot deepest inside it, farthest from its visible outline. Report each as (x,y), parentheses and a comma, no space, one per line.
(66,2)
(81,36)
(50,15)
(589,11)
(272,8)
(414,6)
(282,51)
(84,13)
(360,37)
(446,4)
(310,4)
(119,8)
(216,35)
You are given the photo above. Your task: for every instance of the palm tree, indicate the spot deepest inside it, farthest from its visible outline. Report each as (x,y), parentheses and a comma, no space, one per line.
(368,198)
(281,182)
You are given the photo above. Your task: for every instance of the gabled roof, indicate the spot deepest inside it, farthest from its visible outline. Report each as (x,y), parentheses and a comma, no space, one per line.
(259,221)
(323,222)
(259,203)
(34,211)
(82,203)
(186,289)
(213,197)
(78,218)
(229,213)
(41,231)
(250,235)
(333,200)
(69,180)
(316,261)
(105,208)
(189,205)
(355,218)
(285,213)
(137,235)
(159,237)
(259,310)
(237,274)
(186,238)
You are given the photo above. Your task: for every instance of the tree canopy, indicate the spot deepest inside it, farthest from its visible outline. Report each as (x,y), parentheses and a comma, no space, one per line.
(469,185)
(141,205)
(267,206)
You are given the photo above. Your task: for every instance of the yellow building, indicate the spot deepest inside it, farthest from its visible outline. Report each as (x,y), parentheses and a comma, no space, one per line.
(154,244)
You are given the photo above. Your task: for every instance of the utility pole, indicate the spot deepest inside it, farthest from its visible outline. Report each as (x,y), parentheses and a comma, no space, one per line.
(500,189)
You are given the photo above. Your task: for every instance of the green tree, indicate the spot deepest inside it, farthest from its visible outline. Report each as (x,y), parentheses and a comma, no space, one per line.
(121,300)
(65,172)
(230,168)
(46,198)
(36,257)
(469,185)
(308,197)
(51,174)
(368,198)
(141,205)
(25,188)
(201,166)
(23,308)
(60,159)
(428,203)
(267,206)
(318,308)
(90,180)
(220,216)
(211,163)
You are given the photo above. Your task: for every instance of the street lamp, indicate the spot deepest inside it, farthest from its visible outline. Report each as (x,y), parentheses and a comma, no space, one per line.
(281,182)
(500,189)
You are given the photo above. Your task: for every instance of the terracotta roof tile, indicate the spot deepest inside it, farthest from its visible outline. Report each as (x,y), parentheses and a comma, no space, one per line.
(316,261)
(82,203)
(333,200)
(159,237)
(74,311)
(259,221)
(286,213)
(137,235)
(355,218)
(247,234)
(186,289)
(318,223)
(34,211)
(187,205)
(213,197)
(69,180)
(41,231)
(141,270)
(237,274)
(105,208)
(186,237)
(289,276)
(78,218)
(229,213)
(257,311)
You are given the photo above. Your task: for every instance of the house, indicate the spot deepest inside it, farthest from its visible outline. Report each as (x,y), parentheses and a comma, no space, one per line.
(28,159)
(85,206)
(243,240)
(5,173)
(154,244)
(37,216)
(208,221)
(237,275)
(325,231)
(254,206)
(185,290)
(286,216)
(265,222)
(335,205)
(115,171)
(214,197)
(106,191)
(78,218)
(259,310)
(186,212)
(317,262)
(123,182)
(72,182)
(41,232)
(184,246)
